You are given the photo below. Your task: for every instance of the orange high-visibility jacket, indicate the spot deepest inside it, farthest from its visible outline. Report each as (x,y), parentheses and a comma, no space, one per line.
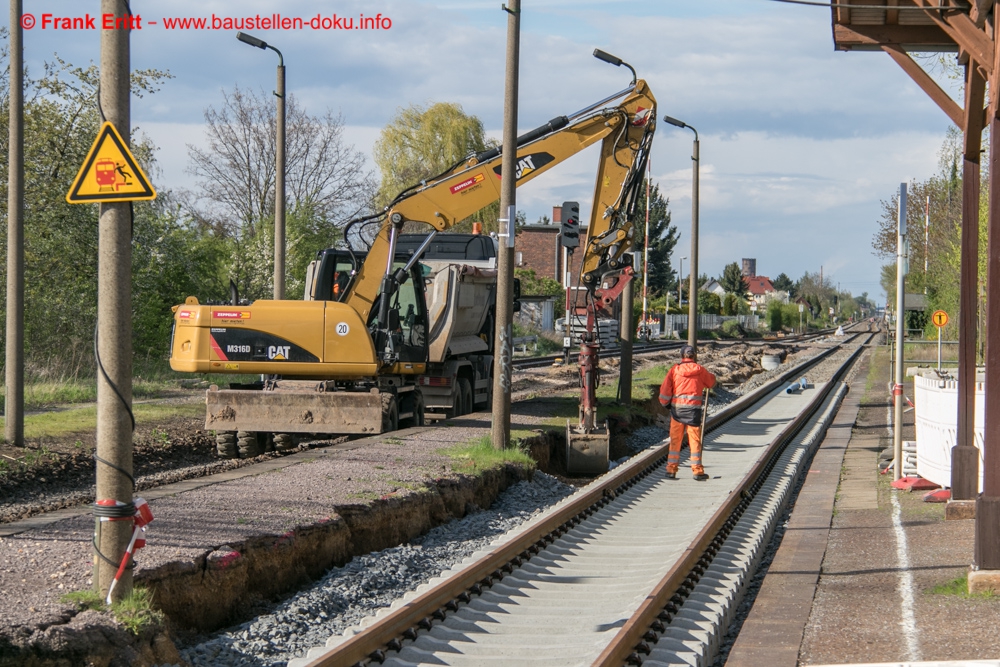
(682,391)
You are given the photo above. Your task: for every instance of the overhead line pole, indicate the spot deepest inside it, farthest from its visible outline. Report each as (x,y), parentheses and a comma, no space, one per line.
(114,323)
(503,349)
(14,359)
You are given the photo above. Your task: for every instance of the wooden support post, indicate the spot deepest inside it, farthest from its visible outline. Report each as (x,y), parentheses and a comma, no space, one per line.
(987,545)
(965,455)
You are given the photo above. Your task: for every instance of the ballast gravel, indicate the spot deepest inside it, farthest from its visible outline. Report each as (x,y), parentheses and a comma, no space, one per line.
(346,595)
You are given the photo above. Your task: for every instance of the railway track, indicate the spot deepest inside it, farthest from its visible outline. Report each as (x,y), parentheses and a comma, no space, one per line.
(640,349)
(633,568)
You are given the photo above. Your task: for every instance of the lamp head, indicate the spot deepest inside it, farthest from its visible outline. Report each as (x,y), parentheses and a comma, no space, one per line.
(674,122)
(251,40)
(607,57)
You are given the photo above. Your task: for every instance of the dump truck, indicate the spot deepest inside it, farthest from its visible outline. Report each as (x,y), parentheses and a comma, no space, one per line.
(396,330)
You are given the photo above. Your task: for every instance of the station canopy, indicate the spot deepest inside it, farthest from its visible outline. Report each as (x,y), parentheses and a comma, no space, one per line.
(868,25)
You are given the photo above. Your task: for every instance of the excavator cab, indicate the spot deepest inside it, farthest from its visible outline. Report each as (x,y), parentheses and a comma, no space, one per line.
(405,333)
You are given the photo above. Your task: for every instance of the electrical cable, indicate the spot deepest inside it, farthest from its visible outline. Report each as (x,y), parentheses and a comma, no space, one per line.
(839,5)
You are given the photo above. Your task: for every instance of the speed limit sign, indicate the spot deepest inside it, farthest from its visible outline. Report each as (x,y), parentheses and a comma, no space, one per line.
(939,318)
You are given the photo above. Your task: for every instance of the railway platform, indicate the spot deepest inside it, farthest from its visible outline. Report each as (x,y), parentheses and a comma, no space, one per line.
(866,574)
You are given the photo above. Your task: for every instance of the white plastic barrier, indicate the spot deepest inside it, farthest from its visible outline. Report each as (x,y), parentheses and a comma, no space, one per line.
(936,416)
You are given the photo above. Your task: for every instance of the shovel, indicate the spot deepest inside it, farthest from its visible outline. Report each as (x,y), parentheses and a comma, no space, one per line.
(704,411)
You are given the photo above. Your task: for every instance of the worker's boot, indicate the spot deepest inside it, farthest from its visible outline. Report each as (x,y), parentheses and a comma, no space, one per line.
(671,472)
(699,473)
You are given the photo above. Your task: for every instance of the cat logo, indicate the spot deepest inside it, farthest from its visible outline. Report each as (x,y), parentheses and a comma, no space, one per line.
(526,164)
(278,352)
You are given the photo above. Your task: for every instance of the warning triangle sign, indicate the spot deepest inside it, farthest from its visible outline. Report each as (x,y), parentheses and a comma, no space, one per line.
(109,173)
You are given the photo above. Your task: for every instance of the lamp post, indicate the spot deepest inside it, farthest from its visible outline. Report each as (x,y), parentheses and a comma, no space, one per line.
(279,168)
(693,289)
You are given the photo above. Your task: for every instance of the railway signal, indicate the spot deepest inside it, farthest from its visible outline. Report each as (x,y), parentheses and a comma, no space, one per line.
(569,234)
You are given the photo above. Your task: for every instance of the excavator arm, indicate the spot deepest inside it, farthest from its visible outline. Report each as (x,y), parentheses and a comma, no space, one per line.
(626,131)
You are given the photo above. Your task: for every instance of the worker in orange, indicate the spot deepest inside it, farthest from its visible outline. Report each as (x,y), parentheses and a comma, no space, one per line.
(683,391)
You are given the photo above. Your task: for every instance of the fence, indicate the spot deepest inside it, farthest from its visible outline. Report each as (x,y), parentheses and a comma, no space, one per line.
(708,322)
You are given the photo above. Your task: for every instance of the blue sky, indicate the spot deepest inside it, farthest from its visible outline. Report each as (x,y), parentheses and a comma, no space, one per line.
(799,142)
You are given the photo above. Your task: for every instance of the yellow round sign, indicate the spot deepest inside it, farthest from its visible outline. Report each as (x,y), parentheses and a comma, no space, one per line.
(939,318)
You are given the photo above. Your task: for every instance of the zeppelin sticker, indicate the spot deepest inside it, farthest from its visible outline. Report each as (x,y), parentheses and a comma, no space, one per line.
(467,183)
(231,314)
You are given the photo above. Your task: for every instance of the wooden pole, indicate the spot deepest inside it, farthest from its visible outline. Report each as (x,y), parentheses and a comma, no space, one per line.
(965,455)
(500,433)
(14,359)
(987,543)
(114,308)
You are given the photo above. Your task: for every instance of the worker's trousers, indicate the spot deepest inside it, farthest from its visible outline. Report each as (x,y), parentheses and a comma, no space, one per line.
(694,442)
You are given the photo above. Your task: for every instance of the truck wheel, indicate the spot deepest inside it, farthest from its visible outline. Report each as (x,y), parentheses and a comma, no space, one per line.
(417,405)
(390,413)
(225,444)
(249,444)
(465,392)
(284,442)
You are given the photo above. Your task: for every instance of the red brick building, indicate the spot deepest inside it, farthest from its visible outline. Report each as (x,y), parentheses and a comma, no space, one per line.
(537,247)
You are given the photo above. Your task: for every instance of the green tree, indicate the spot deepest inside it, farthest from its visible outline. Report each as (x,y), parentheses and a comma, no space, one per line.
(662,238)
(784,283)
(419,143)
(709,303)
(733,282)
(60,122)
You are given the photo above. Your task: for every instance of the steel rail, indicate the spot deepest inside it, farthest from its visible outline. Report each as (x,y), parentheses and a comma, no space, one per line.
(420,612)
(548,360)
(629,641)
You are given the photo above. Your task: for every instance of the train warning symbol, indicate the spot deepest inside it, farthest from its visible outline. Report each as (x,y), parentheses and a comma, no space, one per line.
(109,173)
(939,318)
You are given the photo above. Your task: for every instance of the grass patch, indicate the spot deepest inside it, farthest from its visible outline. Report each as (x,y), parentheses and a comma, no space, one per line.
(479,454)
(643,382)
(959,587)
(135,611)
(77,420)
(84,600)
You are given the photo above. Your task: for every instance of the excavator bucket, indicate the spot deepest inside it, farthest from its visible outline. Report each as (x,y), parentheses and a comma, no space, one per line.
(587,453)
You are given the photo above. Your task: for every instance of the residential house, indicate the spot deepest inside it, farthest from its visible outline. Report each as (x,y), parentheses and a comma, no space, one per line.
(762,291)
(714,287)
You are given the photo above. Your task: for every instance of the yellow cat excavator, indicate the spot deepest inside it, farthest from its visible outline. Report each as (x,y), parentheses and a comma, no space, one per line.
(403,328)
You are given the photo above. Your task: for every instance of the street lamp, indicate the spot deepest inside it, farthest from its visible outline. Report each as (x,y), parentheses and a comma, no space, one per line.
(279,165)
(693,290)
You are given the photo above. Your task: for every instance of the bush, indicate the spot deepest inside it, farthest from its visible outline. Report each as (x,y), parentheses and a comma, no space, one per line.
(730,305)
(733,329)
(775,316)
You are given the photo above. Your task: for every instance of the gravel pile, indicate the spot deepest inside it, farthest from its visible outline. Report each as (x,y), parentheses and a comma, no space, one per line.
(350,593)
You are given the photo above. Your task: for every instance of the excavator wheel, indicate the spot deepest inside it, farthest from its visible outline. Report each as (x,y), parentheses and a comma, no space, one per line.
(249,444)
(225,444)
(390,413)
(284,442)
